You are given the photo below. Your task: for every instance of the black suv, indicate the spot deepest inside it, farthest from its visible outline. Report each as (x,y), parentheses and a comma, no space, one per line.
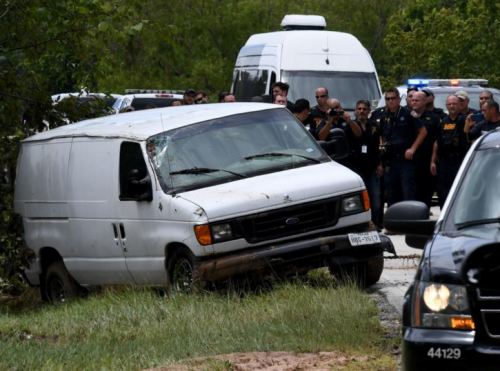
(451,312)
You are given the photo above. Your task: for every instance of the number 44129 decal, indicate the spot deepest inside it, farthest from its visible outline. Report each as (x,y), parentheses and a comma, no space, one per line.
(445,353)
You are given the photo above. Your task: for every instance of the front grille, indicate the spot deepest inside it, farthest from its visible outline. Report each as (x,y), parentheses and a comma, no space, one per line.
(290,221)
(491,320)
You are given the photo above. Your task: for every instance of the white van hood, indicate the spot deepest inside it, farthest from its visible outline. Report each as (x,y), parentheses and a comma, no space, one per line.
(271,191)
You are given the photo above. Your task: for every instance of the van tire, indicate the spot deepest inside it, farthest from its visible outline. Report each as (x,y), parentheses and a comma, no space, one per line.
(182,273)
(60,287)
(364,274)
(373,269)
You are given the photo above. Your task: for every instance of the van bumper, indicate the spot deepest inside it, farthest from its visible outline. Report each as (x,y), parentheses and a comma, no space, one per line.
(292,257)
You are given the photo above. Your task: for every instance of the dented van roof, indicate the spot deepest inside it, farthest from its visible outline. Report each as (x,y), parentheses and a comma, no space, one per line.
(140,125)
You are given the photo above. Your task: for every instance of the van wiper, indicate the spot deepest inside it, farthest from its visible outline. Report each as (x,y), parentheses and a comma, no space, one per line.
(279,154)
(477,222)
(205,170)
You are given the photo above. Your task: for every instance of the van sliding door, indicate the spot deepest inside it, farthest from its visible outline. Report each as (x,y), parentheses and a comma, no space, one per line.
(96,255)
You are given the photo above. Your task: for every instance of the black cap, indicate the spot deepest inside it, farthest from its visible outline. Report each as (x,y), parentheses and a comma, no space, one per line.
(428,92)
(189,91)
(411,88)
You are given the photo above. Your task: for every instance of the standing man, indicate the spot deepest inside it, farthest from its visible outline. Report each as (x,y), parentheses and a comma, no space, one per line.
(201,97)
(425,182)
(280,99)
(229,98)
(400,142)
(491,121)
(450,148)
(485,96)
(366,156)
(337,118)
(282,88)
(189,96)
(409,95)
(464,103)
(319,111)
(301,111)
(429,94)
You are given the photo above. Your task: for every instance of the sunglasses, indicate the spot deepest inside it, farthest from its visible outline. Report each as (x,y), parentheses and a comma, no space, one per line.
(321,96)
(199,100)
(391,98)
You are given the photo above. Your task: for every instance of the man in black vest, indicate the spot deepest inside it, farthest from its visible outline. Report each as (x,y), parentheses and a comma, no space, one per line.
(450,148)
(399,144)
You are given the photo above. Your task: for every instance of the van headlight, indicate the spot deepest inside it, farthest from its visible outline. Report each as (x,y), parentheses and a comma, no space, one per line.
(221,232)
(354,204)
(207,234)
(438,305)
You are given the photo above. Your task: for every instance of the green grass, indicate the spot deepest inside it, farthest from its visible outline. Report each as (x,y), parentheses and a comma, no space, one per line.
(134,329)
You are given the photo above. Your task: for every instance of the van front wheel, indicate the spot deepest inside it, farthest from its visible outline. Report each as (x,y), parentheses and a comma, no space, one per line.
(60,287)
(182,271)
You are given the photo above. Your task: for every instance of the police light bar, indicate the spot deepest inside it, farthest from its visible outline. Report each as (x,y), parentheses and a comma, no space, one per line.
(458,82)
(153,91)
(417,82)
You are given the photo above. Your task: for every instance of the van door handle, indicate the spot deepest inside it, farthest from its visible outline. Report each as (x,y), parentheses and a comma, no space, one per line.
(115,230)
(122,231)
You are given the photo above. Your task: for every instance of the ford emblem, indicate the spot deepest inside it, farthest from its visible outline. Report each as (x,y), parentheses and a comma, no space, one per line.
(291,221)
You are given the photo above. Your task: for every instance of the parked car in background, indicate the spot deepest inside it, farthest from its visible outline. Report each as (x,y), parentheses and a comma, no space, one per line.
(140,99)
(198,193)
(442,88)
(451,312)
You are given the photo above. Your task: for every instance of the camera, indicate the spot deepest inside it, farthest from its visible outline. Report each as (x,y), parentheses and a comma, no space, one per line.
(335,113)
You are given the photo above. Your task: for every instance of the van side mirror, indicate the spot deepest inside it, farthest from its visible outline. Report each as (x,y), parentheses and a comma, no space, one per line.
(481,268)
(412,219)
(337,148)
(141,189)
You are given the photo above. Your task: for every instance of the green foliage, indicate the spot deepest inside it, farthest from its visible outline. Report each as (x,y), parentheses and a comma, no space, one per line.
(446,39)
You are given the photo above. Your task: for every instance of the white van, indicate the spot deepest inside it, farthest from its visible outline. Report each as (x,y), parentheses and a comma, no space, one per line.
(306,57)
(172,195)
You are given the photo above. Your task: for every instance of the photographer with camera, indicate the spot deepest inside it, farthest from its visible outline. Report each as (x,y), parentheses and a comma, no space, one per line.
(338,118)
(478,124)
(400,141)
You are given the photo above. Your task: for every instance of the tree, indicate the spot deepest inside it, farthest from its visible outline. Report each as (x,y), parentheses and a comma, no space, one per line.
(446,39)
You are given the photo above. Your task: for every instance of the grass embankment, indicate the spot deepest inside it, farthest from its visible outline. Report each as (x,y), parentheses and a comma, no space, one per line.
(137,329)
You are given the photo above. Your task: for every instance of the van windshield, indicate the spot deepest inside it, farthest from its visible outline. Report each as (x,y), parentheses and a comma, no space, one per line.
(231,148)
(347,87)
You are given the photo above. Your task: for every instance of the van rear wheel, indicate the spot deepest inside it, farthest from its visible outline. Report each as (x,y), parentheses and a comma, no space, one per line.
(60,287)
(182,271)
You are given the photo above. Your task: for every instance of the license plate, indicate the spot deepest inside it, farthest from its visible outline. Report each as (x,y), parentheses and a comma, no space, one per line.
(367,238)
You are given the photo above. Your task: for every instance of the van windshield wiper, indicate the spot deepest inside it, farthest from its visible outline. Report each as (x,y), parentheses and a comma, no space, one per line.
(477,222)
(205,170)
(280,154)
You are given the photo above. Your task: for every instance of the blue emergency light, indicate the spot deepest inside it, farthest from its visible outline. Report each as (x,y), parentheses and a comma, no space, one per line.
(417,82)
